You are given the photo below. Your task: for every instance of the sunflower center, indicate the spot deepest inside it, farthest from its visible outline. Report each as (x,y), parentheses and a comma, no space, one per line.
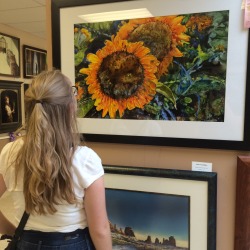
(156,36)
(120,75)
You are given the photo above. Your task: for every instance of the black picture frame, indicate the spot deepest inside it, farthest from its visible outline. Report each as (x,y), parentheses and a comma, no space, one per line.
(227,144)
(34,61)
(10,53)
(9,120)
(25,87)
(159,180)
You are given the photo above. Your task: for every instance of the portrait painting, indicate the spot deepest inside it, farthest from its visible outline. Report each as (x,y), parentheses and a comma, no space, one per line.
(9,55)
(10,106)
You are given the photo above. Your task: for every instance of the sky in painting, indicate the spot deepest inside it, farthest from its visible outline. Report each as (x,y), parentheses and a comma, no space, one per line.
(154,214)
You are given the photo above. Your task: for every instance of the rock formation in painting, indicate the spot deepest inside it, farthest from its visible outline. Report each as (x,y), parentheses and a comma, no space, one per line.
(129,232)
(127,236)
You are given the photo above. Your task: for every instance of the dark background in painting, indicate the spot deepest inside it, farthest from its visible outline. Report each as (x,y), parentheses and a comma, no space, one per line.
(150,213)
(35,62)
(13,102)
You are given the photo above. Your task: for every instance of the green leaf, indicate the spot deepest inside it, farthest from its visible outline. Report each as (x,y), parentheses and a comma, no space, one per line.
(205,84)
(187,99)
(203,56)
(166,91)
(79,57)
(152,109)
(84,107)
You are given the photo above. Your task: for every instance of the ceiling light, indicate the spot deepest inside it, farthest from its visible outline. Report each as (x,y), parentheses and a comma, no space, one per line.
(116,15)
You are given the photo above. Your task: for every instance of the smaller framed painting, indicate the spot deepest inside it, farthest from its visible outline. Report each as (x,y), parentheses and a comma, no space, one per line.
(9,55)
(34,61)
(10,106)
(152,208)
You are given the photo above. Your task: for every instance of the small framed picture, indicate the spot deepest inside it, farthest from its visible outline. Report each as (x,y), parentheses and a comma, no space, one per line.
(150,208)
(10,104)
(9,55)
(34,61)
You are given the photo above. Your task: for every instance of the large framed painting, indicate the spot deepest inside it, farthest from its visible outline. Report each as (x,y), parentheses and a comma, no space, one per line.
(34,61)
(9,55)
(161,208)
(156,72)
(10,101)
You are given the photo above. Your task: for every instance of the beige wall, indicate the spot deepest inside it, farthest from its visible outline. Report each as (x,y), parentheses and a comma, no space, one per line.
(224,163)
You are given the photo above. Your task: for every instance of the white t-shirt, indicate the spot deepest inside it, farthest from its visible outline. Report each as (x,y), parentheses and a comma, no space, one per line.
(86,168)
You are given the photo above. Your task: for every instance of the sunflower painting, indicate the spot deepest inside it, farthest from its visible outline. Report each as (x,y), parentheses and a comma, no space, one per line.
(159,68)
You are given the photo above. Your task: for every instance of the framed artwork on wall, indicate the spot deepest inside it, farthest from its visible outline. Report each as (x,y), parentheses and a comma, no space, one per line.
(241,239)
(161,207)
(9,55)
(11,113)
(176,91)
(34,61)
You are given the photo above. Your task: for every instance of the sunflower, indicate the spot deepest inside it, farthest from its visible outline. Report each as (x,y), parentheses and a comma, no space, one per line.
(161,35)
(121,76)
(199,22)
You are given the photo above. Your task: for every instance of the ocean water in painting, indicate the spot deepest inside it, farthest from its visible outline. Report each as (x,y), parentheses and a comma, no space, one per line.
(142,220)
(157,68)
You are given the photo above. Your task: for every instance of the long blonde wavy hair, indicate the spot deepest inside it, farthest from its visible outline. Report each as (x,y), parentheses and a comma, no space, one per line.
(49,144)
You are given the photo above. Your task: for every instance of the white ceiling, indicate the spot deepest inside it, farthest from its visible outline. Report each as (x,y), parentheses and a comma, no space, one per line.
(25,15)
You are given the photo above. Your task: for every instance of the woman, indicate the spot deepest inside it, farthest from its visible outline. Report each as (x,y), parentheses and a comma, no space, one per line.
(59,183)
(7,110)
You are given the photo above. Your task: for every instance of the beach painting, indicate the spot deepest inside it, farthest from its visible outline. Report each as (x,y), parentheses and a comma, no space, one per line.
(153,221)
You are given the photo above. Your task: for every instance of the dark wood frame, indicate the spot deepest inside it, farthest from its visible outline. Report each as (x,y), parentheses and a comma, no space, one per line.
(16,87)
(15,70)
(209,177)
(27,48)
(242,223)
(243,144)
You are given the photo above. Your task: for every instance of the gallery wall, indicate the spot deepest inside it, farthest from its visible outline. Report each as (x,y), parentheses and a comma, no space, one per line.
(224,162)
